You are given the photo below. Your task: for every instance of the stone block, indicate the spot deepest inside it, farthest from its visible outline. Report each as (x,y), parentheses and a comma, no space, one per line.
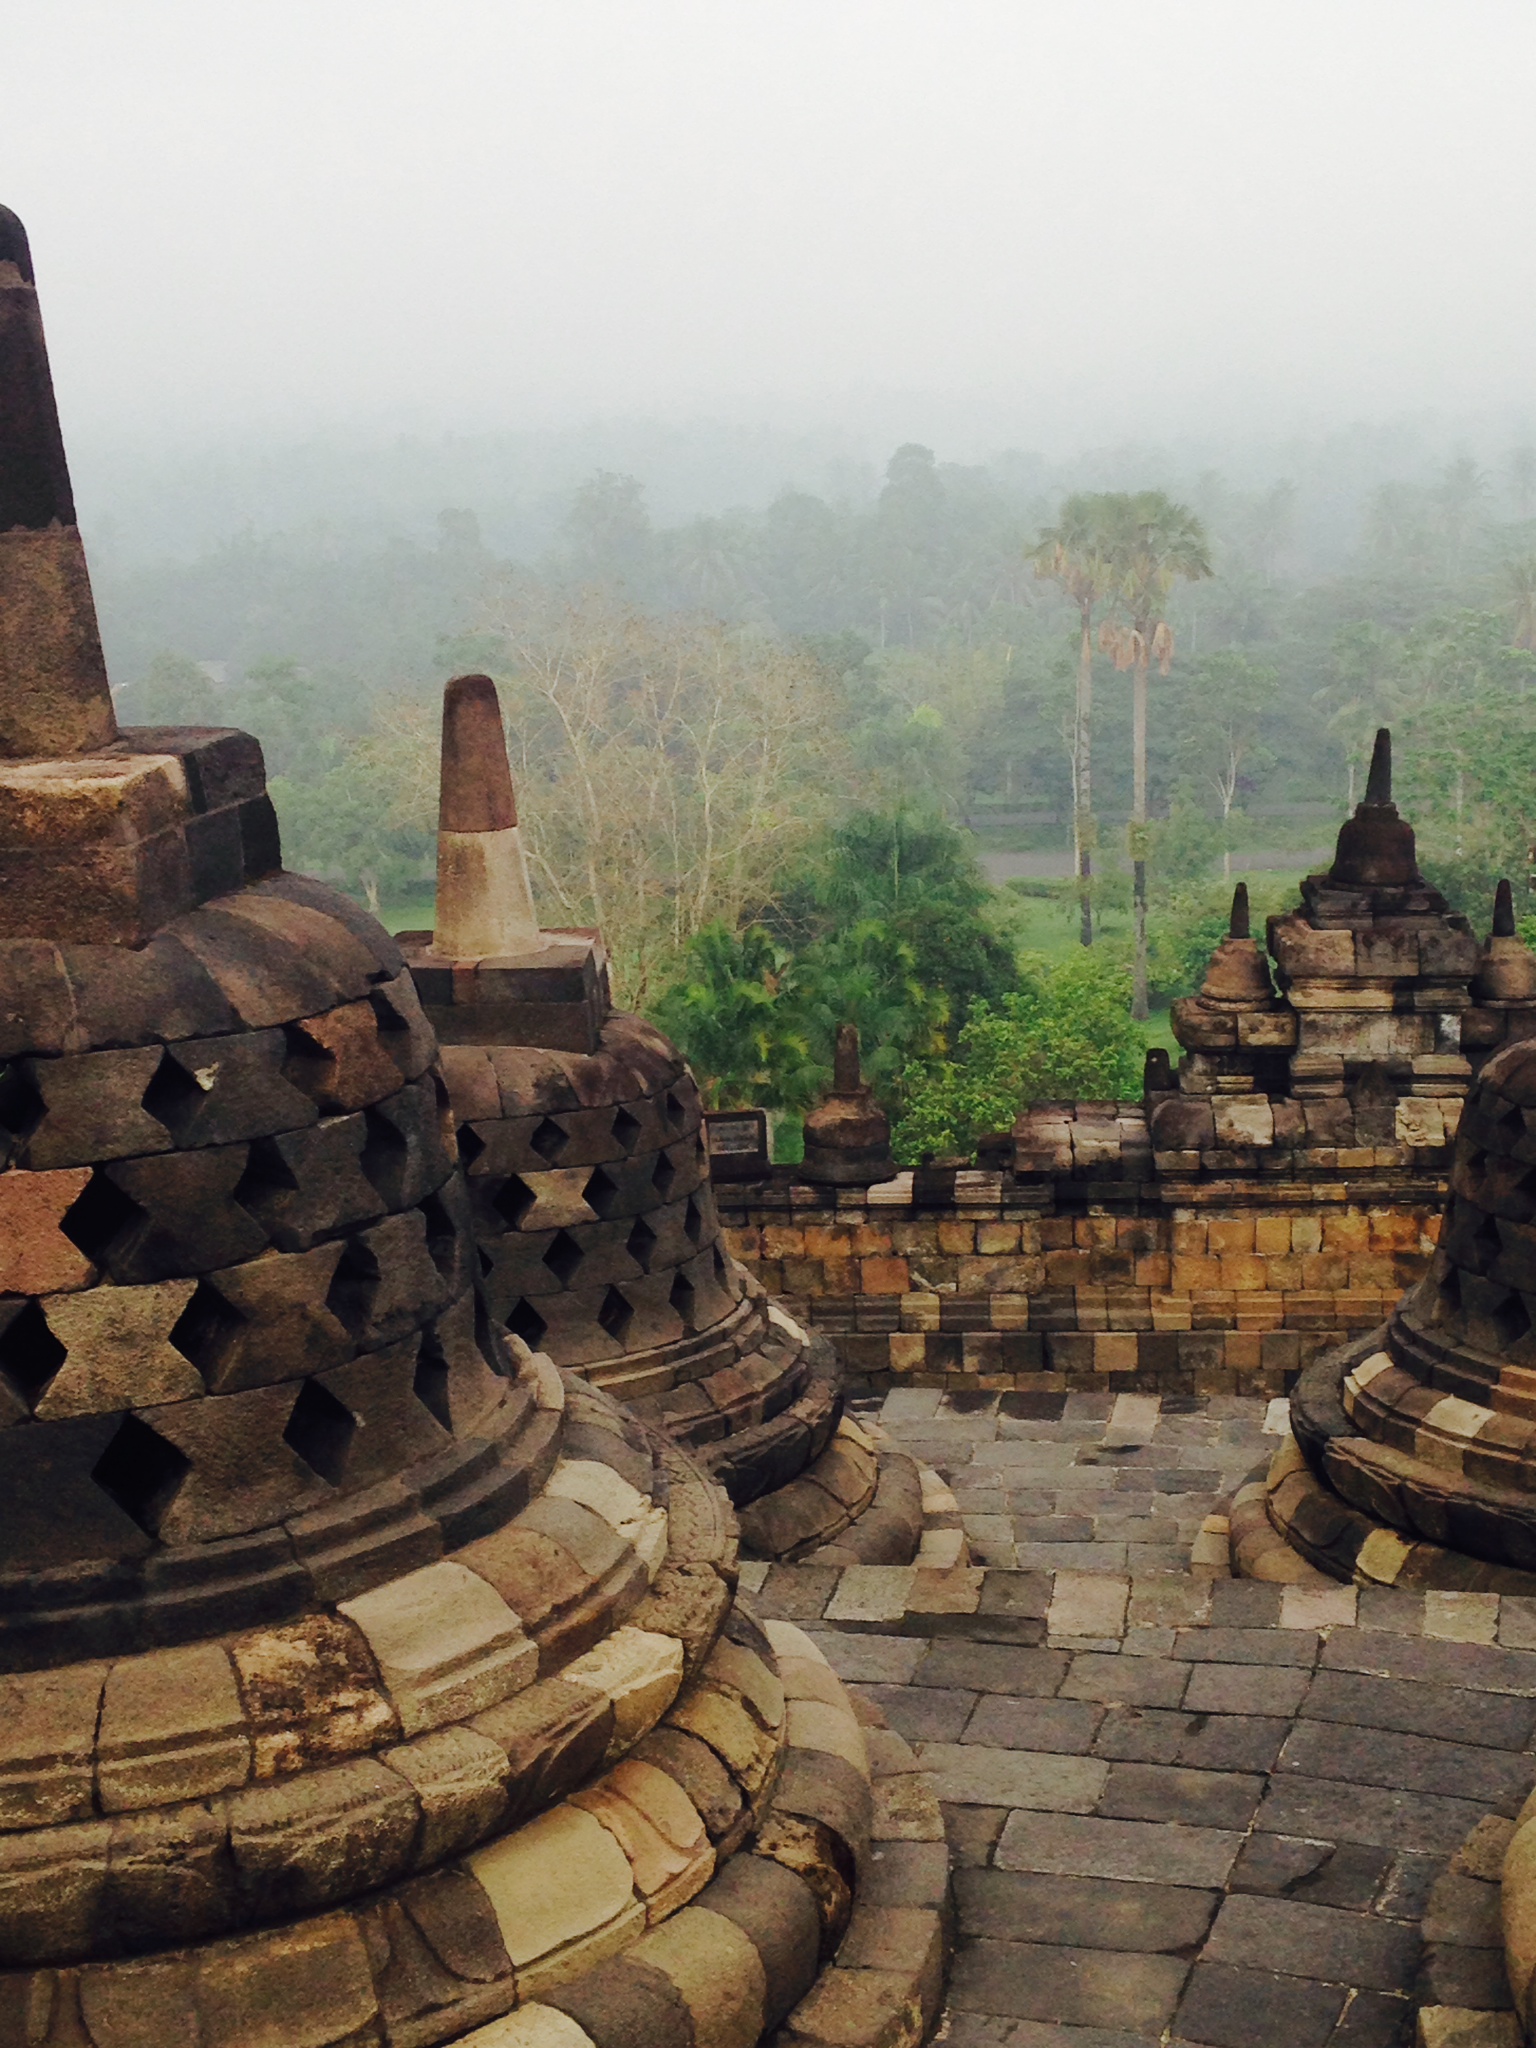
(341,1060)
(35,1255)
(117,1352)
(218,1091)
(306,1987)
(459,1777)
(268,1319)
(658,1829)
(717,1971)
(91,1107)
(555,1883)
(310,1694)
(306,1184)
(446,1643)
(639,1672)
(52,1881)
(172,1727)
(320,1838)
(1243,1120)
(47,1739)
(169,1215)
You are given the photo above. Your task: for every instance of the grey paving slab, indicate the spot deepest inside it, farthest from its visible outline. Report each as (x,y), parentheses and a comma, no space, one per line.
(1220,1822)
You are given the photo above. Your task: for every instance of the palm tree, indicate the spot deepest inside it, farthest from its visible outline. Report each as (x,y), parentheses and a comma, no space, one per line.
(1155,544)
(1074,553)
(1519,579)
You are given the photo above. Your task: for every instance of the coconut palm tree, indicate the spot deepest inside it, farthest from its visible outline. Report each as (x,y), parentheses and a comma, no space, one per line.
(1519,580)
(1074,554)
(1154,544)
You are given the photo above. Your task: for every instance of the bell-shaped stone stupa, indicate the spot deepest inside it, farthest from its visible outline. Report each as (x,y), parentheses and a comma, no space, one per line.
(581,1132)
(1414,1460)
(847,1134)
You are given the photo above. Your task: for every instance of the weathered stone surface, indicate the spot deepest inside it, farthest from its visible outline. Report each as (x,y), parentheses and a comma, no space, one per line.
(172,1727)
(447,1645)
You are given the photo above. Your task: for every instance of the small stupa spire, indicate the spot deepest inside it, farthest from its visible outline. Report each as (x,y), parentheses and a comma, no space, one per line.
(484,898)
(1238,927)
(54,698)
(1503,911)
(1378,784)
(847,1079)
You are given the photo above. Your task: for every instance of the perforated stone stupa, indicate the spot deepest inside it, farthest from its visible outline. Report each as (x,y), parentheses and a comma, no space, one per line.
(581,1131)
(1414,1454)
(363,1679)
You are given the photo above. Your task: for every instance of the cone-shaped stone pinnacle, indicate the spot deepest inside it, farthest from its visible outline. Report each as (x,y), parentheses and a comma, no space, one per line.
(1503,912)
(484,901)
(846,1078)
(54,698)
(1238,928)
(475,793)
(1378,784)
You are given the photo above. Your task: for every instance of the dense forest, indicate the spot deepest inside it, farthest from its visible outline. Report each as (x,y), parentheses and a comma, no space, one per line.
(764,747)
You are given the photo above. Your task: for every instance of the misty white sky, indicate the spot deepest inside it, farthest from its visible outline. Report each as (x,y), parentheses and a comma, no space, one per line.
(1103,216)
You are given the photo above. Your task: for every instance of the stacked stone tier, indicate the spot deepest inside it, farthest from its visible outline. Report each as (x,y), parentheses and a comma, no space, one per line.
(600,1243)
(242,1364)
(497,1780)
(1425,1431)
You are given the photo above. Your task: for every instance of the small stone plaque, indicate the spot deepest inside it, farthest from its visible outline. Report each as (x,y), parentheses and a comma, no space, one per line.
(738,1143)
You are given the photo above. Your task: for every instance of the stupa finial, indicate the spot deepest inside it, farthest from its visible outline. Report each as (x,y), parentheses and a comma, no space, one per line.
(846,1076)
(1378,784)
(54,698)
(484,899)
(1504,911)
(1238,927)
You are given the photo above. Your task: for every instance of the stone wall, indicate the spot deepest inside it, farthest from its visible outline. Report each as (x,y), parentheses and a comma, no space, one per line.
(1028,1287)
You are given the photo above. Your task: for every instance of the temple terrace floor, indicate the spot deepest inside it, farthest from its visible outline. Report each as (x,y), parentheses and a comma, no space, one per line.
(1182,1808)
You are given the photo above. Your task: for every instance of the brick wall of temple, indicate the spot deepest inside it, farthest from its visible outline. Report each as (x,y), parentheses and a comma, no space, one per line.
(1001,1289)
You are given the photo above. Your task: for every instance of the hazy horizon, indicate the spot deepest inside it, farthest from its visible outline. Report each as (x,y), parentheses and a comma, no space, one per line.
(989,222)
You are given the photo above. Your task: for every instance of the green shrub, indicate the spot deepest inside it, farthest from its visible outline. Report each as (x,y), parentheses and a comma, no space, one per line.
(1065,1034)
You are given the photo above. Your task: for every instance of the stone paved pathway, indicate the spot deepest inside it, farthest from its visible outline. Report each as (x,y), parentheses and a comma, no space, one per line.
(1182,1810)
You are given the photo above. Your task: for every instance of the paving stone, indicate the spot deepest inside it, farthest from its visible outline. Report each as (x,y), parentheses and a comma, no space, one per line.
(1081,1912)
(1470,1665)
(992,1667)
(1247,1646)
(1375,2019)
(1494,1719)
(1079,1987)
(1409,1883)
(971,1774)
(972,1832)
(1073,1846)
(1371,1756)
(1244,2008)
(1346,1874)
(870,1659)
(1328,1810)
(1087,1604)
(1068,1726)
(1212,1799)
(921,1713)
(1244,1689)
(1125,1681)
(1306,1940)
(1466,1977)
